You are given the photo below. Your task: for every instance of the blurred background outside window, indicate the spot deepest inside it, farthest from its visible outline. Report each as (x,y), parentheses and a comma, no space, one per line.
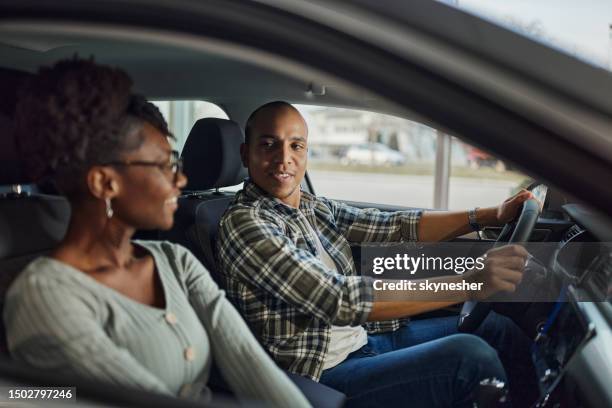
(370,157)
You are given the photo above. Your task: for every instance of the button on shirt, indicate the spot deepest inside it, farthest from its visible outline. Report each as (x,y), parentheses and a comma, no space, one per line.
(190,353)
(268,258)
(171,318)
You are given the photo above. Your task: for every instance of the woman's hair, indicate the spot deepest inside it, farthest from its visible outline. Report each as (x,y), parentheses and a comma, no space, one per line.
(77,114)
(140,108)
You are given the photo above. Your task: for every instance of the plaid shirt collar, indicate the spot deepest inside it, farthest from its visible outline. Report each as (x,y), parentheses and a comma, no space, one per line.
(252,192)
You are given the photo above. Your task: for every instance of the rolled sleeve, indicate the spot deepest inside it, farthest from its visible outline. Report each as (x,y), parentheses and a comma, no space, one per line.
(409,221)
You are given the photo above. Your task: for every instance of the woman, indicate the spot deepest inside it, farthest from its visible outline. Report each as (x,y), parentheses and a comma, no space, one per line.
(135,313)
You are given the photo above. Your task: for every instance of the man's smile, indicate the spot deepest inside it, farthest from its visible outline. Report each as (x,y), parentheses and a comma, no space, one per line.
(282,177)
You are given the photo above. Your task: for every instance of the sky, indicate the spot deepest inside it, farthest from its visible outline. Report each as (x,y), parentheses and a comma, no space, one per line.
(578,26)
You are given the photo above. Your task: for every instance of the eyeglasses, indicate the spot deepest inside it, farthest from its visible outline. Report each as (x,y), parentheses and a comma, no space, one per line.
(174,166)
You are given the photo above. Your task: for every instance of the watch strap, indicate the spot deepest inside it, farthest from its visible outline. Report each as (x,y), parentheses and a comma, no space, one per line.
(472,219)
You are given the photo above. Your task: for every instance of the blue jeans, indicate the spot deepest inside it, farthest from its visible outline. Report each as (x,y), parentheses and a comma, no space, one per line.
(427,364)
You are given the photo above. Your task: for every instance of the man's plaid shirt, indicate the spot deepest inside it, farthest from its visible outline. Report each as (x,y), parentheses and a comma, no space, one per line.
(273,275)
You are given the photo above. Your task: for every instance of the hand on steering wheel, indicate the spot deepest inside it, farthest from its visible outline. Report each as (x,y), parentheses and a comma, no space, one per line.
(474,312)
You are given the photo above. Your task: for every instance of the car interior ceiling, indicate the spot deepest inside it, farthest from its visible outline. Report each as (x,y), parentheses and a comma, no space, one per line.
(236,83)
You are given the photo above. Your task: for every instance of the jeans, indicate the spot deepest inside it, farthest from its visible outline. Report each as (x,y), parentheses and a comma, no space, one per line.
(427,364)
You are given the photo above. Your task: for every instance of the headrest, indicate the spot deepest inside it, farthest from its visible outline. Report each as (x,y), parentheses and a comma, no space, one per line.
(211,155)
(31,225)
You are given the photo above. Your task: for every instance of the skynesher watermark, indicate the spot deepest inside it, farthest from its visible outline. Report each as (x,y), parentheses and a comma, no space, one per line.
(427,285)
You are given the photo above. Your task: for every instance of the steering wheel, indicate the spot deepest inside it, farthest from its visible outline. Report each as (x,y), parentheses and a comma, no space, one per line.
(474,312)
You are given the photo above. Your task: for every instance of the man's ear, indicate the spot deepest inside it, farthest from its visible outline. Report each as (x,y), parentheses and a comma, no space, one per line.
(102,182)
(244,154)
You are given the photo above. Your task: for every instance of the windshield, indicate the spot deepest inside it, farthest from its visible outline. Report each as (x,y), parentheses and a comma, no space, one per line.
(579,28)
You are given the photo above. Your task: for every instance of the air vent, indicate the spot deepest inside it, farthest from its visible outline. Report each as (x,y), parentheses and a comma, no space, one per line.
(601,277)
(598,277)
(571,233)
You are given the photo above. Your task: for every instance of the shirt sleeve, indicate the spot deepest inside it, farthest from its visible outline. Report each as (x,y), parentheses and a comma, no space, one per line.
(256,249)
(52,326)
(246,367)
(372,225)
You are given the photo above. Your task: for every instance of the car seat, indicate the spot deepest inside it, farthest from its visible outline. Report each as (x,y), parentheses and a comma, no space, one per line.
(211,161)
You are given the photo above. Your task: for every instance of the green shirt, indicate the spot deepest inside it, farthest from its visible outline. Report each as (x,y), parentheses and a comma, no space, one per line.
(59,318)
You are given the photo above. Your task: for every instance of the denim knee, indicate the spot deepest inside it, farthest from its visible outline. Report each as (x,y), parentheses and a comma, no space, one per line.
(479,359)
(474,346)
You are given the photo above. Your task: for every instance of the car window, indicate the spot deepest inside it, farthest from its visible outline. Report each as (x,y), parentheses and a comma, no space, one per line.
(364,156)
(347,159)
(181,115)
(479,179)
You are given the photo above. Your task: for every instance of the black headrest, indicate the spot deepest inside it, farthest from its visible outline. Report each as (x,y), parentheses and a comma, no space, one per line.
(211,155)
(31,224)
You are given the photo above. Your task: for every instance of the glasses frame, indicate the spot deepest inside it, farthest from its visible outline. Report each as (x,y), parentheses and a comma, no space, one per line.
(175,165)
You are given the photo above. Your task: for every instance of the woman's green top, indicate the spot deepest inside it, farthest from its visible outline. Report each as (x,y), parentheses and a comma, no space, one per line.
(61,319)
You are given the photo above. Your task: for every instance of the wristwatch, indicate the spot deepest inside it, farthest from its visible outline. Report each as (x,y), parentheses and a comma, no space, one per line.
(472,219)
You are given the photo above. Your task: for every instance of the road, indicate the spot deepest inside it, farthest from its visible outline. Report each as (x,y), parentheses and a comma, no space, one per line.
(414,191)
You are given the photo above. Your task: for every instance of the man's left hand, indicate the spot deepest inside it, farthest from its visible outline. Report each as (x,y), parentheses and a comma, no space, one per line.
(508,210)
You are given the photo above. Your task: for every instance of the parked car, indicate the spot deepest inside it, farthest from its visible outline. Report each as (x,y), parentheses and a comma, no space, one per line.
(477,158)
(417,59)
(373,154)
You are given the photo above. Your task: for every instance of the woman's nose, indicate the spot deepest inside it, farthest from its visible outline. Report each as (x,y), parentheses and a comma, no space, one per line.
(181,180)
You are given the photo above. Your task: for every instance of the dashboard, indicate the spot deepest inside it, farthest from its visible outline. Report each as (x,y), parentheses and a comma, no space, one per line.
(572,351)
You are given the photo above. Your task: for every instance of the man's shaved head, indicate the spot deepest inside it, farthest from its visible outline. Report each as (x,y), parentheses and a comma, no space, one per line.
(268,108)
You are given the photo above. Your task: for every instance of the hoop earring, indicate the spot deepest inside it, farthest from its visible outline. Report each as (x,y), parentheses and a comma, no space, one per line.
(109,208)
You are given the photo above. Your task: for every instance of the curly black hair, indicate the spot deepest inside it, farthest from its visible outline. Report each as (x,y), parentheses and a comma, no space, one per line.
(140,108)
(74,115)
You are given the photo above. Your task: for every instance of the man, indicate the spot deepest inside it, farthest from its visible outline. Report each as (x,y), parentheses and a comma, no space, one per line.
(287,265)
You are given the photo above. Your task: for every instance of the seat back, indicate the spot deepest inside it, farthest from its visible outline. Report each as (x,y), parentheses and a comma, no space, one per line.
(31,225)
(196,225)
(211,161)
